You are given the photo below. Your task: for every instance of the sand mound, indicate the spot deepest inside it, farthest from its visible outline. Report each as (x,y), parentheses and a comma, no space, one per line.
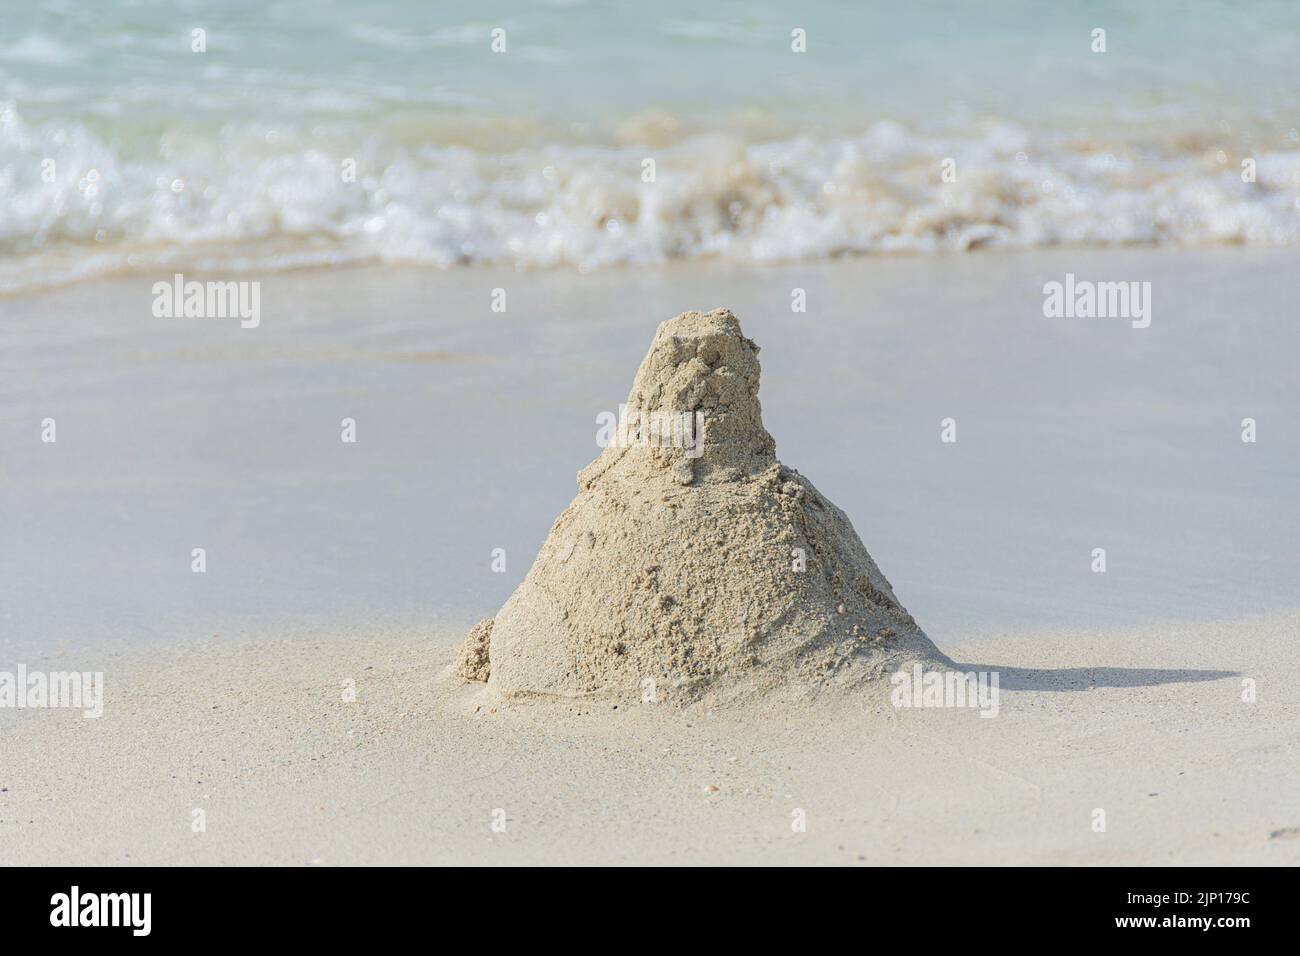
(692,562)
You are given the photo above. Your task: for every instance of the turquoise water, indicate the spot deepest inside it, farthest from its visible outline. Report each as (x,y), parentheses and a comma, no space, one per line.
(122,148)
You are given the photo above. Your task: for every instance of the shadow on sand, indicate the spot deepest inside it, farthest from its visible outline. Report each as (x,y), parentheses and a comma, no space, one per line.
(1082,678)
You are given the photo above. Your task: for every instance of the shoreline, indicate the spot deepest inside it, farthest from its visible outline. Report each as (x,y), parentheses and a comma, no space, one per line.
(708,264)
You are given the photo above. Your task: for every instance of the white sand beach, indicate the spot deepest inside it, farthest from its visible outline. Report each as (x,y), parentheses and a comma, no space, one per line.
(1145,724)
(330,563)
(967,527)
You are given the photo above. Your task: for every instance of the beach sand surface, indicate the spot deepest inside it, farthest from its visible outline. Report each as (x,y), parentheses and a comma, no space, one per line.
(330,562)
(1146,725)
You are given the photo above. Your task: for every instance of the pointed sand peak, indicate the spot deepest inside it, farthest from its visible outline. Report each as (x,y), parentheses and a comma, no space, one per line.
(693,565)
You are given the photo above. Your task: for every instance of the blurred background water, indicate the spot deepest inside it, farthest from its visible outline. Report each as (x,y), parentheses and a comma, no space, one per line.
(122,149)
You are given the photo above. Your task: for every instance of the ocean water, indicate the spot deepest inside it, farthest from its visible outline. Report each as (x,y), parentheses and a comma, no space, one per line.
(328,132)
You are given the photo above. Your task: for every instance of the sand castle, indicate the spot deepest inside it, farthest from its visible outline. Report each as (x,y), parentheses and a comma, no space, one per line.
(686,569)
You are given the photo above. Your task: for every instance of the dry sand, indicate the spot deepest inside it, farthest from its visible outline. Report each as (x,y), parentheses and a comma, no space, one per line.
(1147,725)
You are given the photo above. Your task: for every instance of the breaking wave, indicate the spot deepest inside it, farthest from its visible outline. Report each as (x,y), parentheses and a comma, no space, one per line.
(75,203)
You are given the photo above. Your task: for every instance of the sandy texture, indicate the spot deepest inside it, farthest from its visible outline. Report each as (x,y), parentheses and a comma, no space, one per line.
(1147,725)
(693,562)
(472,663)
(1073,435)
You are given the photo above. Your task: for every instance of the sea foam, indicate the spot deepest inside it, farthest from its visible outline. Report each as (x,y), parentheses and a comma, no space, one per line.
(74,204)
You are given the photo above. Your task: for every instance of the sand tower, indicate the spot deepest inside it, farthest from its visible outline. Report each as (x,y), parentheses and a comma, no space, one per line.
(693,562)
